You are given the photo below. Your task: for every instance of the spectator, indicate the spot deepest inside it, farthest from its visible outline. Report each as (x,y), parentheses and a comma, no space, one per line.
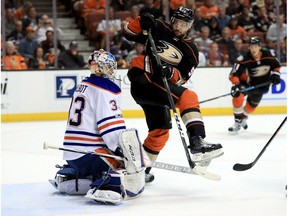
(202,59)
(38,62)
(234,8)
(51,56)
(236,31)
(225,42)
(31,19)
(121,63)
(150,7)
(283,50)
(90,5)
(273,31)
(21,12)
(203,41)
(246,20)
(9,20)
(235,51)
(215,33)
(114,29)
(120,5)
(28,45)
(262,22)
(222,19)
(17,34)
(13,60)
(271,13)
(209,9)
(216,58)
(49,43)
(71,58)
(198,23)
(46,24)
(138,49)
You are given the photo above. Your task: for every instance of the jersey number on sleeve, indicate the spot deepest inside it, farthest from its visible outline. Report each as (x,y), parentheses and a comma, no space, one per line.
(79,103)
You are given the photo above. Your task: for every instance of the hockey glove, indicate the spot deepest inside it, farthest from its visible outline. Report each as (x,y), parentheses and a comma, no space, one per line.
(167,71)
(235,90)
(275,78)
(147,22)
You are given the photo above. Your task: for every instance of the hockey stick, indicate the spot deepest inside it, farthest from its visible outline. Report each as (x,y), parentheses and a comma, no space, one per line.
(159,64)
(197,170)
(46,146)
(243,167)
(243,90)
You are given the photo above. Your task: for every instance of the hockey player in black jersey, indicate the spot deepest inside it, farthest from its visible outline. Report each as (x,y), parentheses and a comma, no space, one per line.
(257,66)
(179,57)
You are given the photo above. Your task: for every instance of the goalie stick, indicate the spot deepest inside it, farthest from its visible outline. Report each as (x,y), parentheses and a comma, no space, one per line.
(243,167)
(197,170)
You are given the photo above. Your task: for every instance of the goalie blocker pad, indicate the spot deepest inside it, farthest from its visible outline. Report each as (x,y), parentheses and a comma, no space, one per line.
(136,158)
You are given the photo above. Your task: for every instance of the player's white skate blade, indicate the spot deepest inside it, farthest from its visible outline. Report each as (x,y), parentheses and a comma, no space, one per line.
(104,196)
(200,157)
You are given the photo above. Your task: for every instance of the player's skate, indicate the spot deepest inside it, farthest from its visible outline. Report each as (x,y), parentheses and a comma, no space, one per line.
(204,151)
(104,196)
(149,177)
(237,126)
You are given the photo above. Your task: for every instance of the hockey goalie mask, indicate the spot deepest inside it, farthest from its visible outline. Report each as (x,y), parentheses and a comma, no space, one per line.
(102,63)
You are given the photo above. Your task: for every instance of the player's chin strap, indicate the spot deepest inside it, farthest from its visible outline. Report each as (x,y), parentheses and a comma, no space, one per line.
(172,105)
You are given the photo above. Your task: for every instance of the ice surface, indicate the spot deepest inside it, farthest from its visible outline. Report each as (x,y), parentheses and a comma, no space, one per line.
(260,191)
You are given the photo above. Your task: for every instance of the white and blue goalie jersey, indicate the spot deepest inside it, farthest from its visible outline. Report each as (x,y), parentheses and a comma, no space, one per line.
(95,119)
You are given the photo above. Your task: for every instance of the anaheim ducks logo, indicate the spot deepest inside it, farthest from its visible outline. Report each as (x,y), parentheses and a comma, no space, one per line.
(169,53)
(260,71)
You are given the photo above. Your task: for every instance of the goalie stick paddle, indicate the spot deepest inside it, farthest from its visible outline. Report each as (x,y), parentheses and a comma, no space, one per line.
(197,170)
(243,90)
(243,167)
(154,51)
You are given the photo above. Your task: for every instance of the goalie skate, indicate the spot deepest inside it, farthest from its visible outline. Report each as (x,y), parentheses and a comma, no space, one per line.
(104,196)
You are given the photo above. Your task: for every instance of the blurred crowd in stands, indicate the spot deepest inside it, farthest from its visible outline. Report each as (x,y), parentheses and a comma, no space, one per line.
(221,29)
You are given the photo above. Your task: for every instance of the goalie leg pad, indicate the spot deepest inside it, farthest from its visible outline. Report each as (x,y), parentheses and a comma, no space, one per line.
(136,157)
(67,181)
(115,184)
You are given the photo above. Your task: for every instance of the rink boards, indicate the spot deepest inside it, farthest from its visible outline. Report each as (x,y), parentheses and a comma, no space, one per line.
(45,95)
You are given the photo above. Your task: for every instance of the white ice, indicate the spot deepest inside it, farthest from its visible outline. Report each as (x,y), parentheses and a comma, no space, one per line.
(260,191)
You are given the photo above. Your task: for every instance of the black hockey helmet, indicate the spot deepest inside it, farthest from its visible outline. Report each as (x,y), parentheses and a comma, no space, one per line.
(185,14)
(255,40)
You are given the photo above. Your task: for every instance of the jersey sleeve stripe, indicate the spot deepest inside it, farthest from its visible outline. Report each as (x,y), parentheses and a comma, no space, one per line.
(105,119)
(82,138)
(113,129)
(110,124)
(84,144)
(82,133)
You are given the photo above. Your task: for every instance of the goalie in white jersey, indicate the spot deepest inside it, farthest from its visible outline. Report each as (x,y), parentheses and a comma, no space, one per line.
(95,124)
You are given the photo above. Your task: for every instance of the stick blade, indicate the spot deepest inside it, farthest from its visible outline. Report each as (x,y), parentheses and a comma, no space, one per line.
(242,167)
